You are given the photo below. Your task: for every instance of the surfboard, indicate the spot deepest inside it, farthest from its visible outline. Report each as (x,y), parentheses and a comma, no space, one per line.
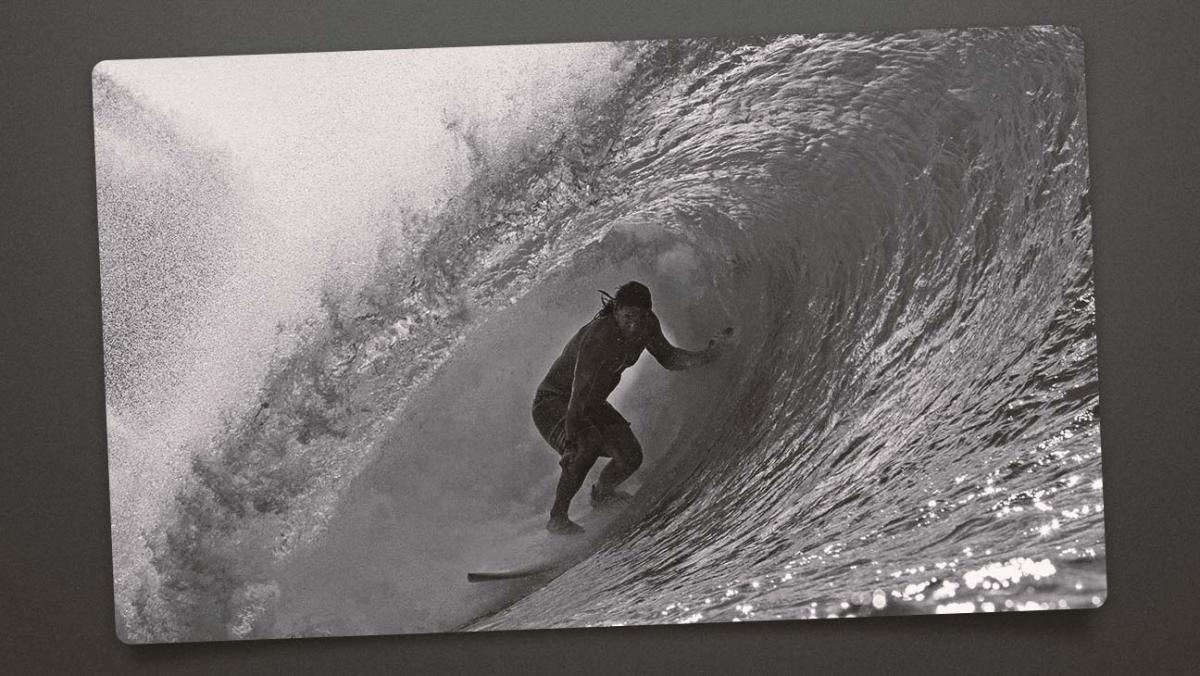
(511,574)
(536,552)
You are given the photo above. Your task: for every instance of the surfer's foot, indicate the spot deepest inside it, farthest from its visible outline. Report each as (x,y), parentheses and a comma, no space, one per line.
(615,498)
(563,526)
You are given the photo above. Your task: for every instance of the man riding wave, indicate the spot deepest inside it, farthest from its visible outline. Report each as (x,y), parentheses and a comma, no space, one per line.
(571,410)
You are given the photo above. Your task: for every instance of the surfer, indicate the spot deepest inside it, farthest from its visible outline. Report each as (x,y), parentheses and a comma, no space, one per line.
(571,409)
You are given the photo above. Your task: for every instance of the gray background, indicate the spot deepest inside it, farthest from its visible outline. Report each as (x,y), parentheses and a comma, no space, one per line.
(1143,62)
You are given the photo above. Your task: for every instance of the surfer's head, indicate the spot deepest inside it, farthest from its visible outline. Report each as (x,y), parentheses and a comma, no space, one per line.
(633,294)
(631,309)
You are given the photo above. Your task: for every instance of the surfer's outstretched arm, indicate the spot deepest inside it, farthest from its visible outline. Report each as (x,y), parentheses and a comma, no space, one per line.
(678,359)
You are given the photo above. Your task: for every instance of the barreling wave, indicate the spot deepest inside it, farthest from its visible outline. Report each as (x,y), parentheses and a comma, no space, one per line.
(898,226)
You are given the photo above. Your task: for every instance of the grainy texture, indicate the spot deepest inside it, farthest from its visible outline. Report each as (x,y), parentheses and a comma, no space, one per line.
(1141,60)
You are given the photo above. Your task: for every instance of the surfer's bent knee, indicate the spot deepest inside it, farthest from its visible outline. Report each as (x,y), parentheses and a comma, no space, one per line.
(626,449)
(577,459)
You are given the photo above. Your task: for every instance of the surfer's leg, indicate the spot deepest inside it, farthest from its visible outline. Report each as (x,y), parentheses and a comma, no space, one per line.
(576,462)
(549,416)
(626,455)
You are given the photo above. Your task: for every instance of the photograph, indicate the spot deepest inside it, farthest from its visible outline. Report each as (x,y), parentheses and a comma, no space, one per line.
(670,331)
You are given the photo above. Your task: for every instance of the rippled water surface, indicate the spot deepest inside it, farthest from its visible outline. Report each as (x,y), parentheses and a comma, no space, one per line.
(900,228)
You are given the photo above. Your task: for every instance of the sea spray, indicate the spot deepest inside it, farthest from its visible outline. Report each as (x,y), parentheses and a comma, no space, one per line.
(265,478)
(867,213)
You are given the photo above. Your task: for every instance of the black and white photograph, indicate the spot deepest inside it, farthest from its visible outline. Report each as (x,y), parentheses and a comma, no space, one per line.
(779,327)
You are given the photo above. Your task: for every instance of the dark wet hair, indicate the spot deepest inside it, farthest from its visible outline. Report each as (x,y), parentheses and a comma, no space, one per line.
(633,294)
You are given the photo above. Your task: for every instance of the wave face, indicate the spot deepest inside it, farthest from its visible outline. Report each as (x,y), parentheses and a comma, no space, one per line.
(899,227)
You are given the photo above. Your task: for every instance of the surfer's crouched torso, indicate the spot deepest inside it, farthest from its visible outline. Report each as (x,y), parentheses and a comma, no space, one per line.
(605,354)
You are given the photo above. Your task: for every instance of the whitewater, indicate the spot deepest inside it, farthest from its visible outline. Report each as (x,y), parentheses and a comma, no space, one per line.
(899,228)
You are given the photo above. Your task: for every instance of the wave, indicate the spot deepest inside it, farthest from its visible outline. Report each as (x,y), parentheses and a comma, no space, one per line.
(901,226)
(898,226)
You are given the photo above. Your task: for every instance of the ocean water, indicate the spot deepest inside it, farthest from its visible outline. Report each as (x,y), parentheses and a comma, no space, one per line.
(898,227)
